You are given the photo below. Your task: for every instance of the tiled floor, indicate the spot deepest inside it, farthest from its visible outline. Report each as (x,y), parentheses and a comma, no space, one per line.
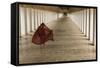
(69,45)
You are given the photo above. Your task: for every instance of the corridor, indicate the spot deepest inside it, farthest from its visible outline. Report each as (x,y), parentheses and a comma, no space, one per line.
(71,41)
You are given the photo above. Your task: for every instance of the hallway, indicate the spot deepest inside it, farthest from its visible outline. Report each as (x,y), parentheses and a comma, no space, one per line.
(69,44)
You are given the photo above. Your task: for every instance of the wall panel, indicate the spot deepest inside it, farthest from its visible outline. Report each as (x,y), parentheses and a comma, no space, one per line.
(28,19)
(22,20)
(91,25)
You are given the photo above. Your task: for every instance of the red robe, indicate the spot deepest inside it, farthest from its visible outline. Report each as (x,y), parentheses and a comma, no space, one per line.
(42,35)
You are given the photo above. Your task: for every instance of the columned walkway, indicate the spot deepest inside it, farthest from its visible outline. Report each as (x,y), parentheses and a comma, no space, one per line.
(70,44)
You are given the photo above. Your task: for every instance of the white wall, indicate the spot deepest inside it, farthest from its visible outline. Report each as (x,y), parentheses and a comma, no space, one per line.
(31,18)
(94,32)
(77,18)
(91,25)
(60,15)
(28,19)
(84,19)
(88,23)
(22,20)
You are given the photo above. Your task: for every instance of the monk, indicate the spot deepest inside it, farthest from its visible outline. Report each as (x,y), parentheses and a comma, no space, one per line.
(42,35)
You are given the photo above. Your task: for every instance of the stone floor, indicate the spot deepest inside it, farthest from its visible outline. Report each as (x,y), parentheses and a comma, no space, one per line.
(69,45)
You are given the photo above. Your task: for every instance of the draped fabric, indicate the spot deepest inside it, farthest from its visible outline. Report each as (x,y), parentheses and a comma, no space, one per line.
(42,35)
